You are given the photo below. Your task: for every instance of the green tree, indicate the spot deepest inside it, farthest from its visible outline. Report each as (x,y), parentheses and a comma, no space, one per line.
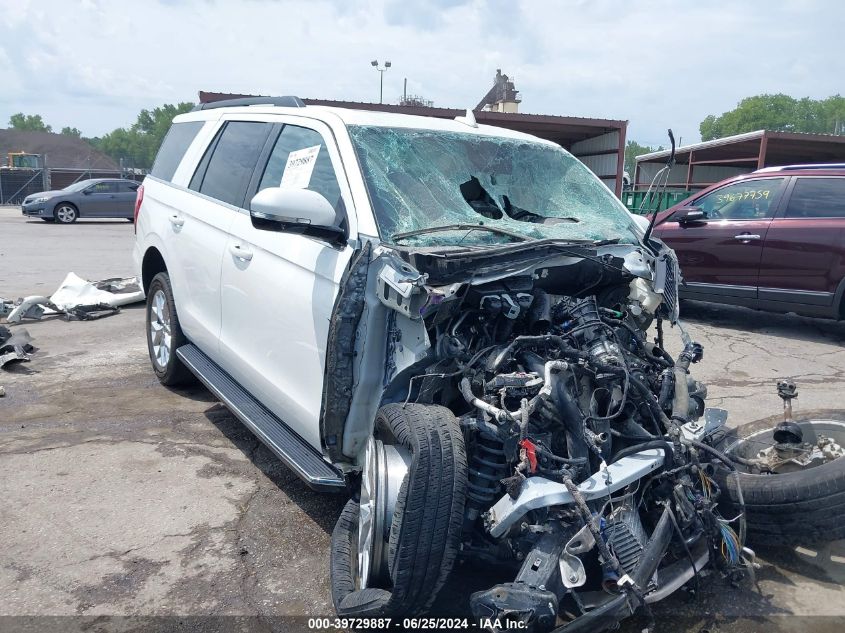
(71,131)
(138,144)
(779,113)
(28,122)
(634,149)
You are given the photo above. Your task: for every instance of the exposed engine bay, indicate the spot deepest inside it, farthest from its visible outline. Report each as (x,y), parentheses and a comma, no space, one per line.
(589,468)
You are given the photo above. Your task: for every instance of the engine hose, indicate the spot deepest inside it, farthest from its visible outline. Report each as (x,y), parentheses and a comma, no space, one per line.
(500,415)
(727,462)
(663,445)
(572,418)
(667,383)
(680,401)
(657,414)
(659,354)
(566,350)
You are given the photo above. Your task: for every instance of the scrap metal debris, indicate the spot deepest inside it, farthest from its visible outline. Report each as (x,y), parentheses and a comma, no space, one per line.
(6,306)
(80,299)
(14,347)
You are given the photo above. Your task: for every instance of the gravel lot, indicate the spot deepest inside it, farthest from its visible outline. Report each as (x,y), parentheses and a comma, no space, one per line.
(123,498)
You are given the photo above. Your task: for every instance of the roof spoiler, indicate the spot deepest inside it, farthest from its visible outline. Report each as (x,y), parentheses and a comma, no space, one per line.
(289,101)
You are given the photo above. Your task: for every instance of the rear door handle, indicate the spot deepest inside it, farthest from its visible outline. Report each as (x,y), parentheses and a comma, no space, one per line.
(241,252)
(177,220)
(746,237)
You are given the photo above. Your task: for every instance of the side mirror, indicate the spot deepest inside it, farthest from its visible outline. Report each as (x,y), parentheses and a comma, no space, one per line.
(86,192)
(292,206)
(689,215)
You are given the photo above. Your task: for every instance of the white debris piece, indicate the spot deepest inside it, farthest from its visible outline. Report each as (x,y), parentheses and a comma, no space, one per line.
(76,291)
(79,298)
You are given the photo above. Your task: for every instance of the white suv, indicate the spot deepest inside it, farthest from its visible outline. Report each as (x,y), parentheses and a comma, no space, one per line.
(446,320)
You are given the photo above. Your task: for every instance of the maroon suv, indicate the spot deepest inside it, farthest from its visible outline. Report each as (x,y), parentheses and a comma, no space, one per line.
(773,239)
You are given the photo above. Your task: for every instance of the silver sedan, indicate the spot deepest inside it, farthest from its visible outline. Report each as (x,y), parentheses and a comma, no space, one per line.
(94,198)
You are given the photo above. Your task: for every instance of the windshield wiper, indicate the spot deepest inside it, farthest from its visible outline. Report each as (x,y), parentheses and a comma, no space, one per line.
(460,227)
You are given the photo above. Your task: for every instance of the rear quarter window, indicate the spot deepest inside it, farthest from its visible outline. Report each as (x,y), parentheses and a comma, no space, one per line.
(173,148)
(817,198)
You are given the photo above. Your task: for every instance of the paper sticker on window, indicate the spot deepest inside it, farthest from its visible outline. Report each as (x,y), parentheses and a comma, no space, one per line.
(300,166)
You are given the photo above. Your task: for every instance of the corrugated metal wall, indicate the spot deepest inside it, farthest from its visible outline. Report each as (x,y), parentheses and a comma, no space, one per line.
(601,155)
(702,175)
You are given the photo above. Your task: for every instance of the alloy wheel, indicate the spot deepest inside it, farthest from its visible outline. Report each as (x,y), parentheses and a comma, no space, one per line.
(160,329)
(66,214)
(385,468)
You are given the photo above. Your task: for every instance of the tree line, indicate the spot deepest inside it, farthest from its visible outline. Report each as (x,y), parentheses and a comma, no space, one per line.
(772,112)
(135,145)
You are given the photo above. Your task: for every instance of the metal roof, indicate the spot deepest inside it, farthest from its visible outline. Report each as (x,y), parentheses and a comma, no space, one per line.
(780,145)
(564,130)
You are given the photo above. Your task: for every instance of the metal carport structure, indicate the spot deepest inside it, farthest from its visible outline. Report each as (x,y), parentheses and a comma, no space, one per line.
(598,143)
(703,164)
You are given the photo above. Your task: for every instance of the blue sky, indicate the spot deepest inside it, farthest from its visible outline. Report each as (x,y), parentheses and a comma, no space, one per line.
(94,64)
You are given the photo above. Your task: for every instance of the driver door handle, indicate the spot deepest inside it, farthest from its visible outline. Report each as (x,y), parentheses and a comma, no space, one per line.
(177,220)
(746,237)
(240,251)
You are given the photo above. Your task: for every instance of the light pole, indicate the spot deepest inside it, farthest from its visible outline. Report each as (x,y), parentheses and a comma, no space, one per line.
(381,78)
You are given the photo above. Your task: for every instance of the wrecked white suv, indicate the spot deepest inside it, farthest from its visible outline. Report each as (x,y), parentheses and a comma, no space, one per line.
(448,322)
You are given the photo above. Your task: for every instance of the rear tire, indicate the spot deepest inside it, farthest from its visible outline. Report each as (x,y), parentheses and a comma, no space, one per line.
(427,520)
(803,507)
(164,335)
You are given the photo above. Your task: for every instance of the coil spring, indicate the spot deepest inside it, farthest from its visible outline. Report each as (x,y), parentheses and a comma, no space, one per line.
(487,468)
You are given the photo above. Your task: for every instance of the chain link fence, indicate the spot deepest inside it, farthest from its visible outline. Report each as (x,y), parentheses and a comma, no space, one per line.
(16,184)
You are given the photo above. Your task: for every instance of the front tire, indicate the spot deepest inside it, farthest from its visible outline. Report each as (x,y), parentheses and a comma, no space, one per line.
(164,335)
(422,541)
(66,213)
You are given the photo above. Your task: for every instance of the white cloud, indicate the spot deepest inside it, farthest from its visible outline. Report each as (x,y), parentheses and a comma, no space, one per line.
(658,63)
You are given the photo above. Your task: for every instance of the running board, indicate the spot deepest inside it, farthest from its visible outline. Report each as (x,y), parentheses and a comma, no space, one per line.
(295,452)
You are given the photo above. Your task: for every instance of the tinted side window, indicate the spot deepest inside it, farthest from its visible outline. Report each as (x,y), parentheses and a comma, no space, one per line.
(746,200)
(232,161)
(103,187)
(173,148)
(317,174)
(127,186)
(817,198)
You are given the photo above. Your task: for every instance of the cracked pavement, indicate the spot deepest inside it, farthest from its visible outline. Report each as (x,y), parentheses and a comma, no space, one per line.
(124,498)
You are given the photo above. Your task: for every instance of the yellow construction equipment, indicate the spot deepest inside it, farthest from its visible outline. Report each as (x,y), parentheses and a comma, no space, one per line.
(23,160)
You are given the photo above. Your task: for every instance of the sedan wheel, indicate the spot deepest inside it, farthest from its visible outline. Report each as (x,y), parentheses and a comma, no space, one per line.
(66,214)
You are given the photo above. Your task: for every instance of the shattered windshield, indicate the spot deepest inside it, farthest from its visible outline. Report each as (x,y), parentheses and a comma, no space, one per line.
(431,187)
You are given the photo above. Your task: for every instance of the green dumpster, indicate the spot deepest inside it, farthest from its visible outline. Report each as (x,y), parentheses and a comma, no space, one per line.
(633,200)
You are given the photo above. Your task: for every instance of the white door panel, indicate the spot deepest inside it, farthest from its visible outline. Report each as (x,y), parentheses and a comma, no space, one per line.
(278,292)
(195,230)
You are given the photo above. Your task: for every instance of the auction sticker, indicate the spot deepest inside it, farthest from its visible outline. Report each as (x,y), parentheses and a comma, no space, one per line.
(300,166)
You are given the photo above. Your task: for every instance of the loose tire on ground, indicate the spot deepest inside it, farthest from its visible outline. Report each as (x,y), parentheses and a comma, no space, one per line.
(427,521)
(804,507)
(161,312)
